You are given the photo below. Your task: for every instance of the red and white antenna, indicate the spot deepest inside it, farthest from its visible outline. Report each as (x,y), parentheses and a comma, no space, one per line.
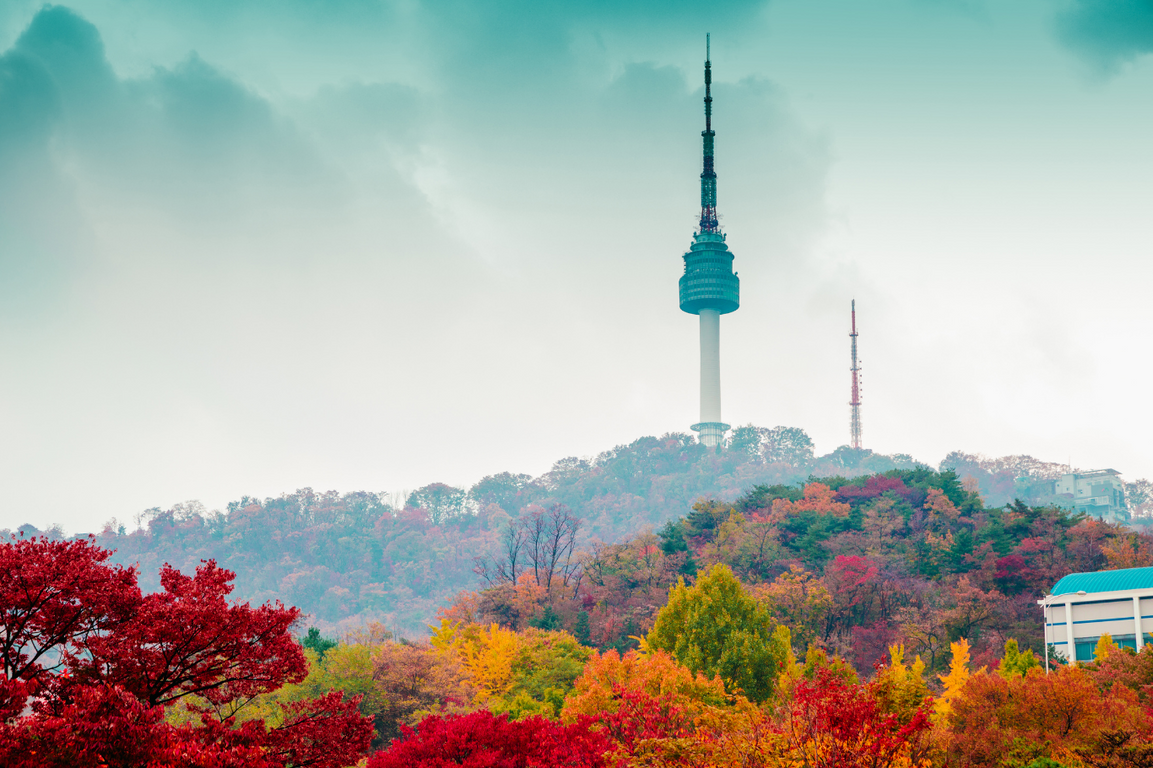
(855,418)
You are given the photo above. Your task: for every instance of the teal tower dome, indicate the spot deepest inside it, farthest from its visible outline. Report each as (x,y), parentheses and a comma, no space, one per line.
(709,281)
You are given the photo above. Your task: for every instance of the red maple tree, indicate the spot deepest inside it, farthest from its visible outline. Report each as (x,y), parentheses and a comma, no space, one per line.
(483,740)
(835,724)
(91,666)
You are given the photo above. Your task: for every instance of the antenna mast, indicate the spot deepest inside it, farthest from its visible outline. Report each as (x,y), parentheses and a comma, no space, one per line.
(855,419)
(708,174)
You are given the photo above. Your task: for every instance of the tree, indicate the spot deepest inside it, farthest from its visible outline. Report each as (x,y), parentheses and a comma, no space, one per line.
(318,643)
(715,627)
(834,724)
(1014,720)
(819,499)
(1016,663)
(484,740)
(954,682)
(800,601)
(442,502)
(541,539)
(657,712)
(413,681)
(789,445)
(550,539)
(522,673)
(900,688)
(120,661)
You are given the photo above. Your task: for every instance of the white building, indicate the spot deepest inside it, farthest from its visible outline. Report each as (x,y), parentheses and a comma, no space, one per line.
(1084,606)
(1099,493)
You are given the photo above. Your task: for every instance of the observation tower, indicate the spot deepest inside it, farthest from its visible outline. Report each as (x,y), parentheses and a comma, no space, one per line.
(709,287)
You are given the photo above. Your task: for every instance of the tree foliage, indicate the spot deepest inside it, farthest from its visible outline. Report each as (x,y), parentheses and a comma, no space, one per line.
(483,740)
(92,666)
(717,628)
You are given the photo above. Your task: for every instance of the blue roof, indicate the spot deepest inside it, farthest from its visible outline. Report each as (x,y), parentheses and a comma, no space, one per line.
(1105,581)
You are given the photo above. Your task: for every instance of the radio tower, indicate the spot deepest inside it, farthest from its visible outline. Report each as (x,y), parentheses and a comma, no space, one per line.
(855,419)
(709,287)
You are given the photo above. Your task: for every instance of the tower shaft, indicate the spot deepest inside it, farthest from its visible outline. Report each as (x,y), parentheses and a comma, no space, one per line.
(855,403)
(710,366)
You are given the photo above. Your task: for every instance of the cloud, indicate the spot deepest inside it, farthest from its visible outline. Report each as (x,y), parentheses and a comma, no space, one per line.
(39,221)
(1110,33)
(359,278)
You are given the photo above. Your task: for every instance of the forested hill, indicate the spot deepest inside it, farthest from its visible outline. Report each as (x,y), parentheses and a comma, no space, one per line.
(351,558)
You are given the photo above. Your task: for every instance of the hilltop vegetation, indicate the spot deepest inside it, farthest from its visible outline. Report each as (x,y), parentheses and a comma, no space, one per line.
(908,556)
(347,559)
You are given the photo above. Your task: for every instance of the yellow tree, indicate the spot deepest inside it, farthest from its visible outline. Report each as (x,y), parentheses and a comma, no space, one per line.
(487,655)
(900,688)
(959,674)
(469,646)
(1105,647)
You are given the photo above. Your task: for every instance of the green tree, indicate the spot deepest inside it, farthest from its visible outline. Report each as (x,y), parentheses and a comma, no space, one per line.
(582,630)
(548,619)
(316,642)
(717,628)
(1016,663)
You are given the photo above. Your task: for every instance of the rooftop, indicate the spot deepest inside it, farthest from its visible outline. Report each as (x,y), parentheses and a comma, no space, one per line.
(1105,581)
(1093,473)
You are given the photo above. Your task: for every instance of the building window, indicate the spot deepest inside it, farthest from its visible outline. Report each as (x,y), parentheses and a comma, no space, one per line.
(1086,647)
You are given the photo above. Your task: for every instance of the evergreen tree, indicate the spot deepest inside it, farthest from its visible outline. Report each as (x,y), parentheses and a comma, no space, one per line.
(317,642)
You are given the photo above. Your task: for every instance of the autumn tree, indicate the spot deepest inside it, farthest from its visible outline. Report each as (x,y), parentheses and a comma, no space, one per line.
(92,667)
(836,724)
(818,499)
(522,673)
(484,740)
(1015,662)
(954,682)
(799,600)
(998,720)
(413,680)
(657,712)
(717,628)
(543,540)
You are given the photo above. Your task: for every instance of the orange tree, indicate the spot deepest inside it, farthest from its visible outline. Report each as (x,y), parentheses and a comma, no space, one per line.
(657,712)
(1061,716)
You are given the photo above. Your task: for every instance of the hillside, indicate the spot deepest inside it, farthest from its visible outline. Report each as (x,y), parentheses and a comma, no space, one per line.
(346,559)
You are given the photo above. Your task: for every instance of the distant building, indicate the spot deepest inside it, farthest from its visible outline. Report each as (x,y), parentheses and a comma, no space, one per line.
(1084,606)
(1099,493)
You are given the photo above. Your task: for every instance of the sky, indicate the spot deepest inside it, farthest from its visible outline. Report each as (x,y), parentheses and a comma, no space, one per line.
(249,246)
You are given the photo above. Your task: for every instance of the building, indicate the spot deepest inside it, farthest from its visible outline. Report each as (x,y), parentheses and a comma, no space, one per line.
(709,288)
(1099,493)
(1084,606)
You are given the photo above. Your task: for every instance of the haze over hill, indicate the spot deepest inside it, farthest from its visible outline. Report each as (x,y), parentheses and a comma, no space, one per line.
(360,556)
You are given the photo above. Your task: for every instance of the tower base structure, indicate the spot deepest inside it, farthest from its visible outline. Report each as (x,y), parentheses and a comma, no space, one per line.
(712,433)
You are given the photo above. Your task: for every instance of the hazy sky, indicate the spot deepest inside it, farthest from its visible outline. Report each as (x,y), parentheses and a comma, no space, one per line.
(248,247)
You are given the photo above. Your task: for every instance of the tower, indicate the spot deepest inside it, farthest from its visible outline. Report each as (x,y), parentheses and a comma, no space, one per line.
(709,287)
(855,417)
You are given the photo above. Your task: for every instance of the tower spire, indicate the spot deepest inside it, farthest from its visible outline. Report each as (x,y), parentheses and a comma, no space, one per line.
(708,174)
